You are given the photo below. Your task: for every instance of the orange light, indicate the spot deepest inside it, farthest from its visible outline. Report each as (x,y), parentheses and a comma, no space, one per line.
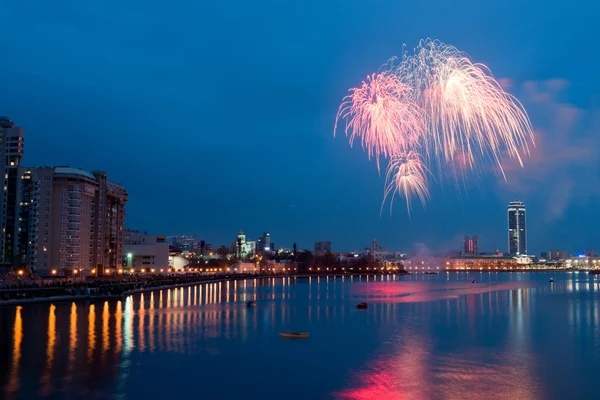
(75,271)
(93,270)
(161,270)
(20,272)
(120,271)
(143,270)
(53,272)
(107,270)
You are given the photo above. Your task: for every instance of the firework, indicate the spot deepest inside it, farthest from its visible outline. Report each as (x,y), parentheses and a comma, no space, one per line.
(468,114)
(406,176)
(438,110)
(381,115)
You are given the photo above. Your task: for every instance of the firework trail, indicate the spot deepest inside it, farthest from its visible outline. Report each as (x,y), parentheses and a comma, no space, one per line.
(406,175)
(436,108)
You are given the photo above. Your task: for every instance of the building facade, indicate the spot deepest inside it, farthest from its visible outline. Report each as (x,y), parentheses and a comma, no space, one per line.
(11,154)
(482,263)
(141,251)
(323,247)
(264,242)
(517,229)
(86,224)
(471,245)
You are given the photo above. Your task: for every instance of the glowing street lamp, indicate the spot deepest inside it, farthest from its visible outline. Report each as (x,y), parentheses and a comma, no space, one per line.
(20,272)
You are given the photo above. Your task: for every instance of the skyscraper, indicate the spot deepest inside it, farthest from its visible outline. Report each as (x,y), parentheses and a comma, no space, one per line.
(517,231)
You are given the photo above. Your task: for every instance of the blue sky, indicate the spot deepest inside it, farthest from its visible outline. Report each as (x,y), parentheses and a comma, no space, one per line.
(219,116)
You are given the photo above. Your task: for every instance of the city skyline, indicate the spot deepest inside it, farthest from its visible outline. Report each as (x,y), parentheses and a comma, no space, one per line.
(103,103)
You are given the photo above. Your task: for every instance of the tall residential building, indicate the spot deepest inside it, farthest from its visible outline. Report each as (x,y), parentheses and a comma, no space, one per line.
(323,247)
(471,245)
(11,153)
(81,225)
(517,230)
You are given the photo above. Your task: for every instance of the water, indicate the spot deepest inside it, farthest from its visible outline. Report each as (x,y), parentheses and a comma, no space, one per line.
(512,335)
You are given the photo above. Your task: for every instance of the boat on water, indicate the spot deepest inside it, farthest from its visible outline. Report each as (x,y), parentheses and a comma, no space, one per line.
(551,280)
(295,335)
(474,280)
(431,273)
(594,272)
(362,306)
(251,303)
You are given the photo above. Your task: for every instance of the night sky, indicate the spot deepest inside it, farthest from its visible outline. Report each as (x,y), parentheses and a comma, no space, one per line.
(219,115)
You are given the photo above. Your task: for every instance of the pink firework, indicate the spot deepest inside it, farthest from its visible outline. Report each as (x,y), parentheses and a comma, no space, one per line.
(381,115)
(406,176)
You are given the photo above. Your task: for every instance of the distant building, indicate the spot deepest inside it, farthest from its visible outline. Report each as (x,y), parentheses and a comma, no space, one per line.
(471,245)
(517,230)
(582,262)
(544,255)
(323,247)
(482,263)
(185,243)
(241,247)
(556,255)
(264,242)
(141,251)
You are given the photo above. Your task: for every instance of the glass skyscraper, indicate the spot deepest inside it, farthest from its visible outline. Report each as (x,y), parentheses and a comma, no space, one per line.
(517,230)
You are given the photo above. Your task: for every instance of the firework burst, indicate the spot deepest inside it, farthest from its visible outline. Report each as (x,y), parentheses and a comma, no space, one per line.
(381,115)
(435,107)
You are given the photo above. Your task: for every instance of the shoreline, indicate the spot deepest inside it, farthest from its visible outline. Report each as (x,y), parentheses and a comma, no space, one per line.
(107,297)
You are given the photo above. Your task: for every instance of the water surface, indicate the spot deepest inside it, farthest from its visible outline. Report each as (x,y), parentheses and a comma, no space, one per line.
(511,335)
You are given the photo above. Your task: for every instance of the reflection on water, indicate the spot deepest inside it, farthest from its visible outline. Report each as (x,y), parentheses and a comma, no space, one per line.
(422,337)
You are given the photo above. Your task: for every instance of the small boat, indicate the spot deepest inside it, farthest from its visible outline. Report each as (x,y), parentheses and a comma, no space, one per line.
(362,306)
(251,303)
(551,280)
(474,280)
(431,273)
(295,335)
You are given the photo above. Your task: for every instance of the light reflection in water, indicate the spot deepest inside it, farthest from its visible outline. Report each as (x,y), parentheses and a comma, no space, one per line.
(91,331)
(13,380)
(403,361)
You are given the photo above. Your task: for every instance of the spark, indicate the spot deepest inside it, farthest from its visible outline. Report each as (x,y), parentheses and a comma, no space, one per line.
(436,109)
(406,176)
(379,114)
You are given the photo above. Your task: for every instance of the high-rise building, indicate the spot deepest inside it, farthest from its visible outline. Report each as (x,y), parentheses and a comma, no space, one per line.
(264,242)
(471,245)
(323,247)
(517,230)
(11,153)
(84,231)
